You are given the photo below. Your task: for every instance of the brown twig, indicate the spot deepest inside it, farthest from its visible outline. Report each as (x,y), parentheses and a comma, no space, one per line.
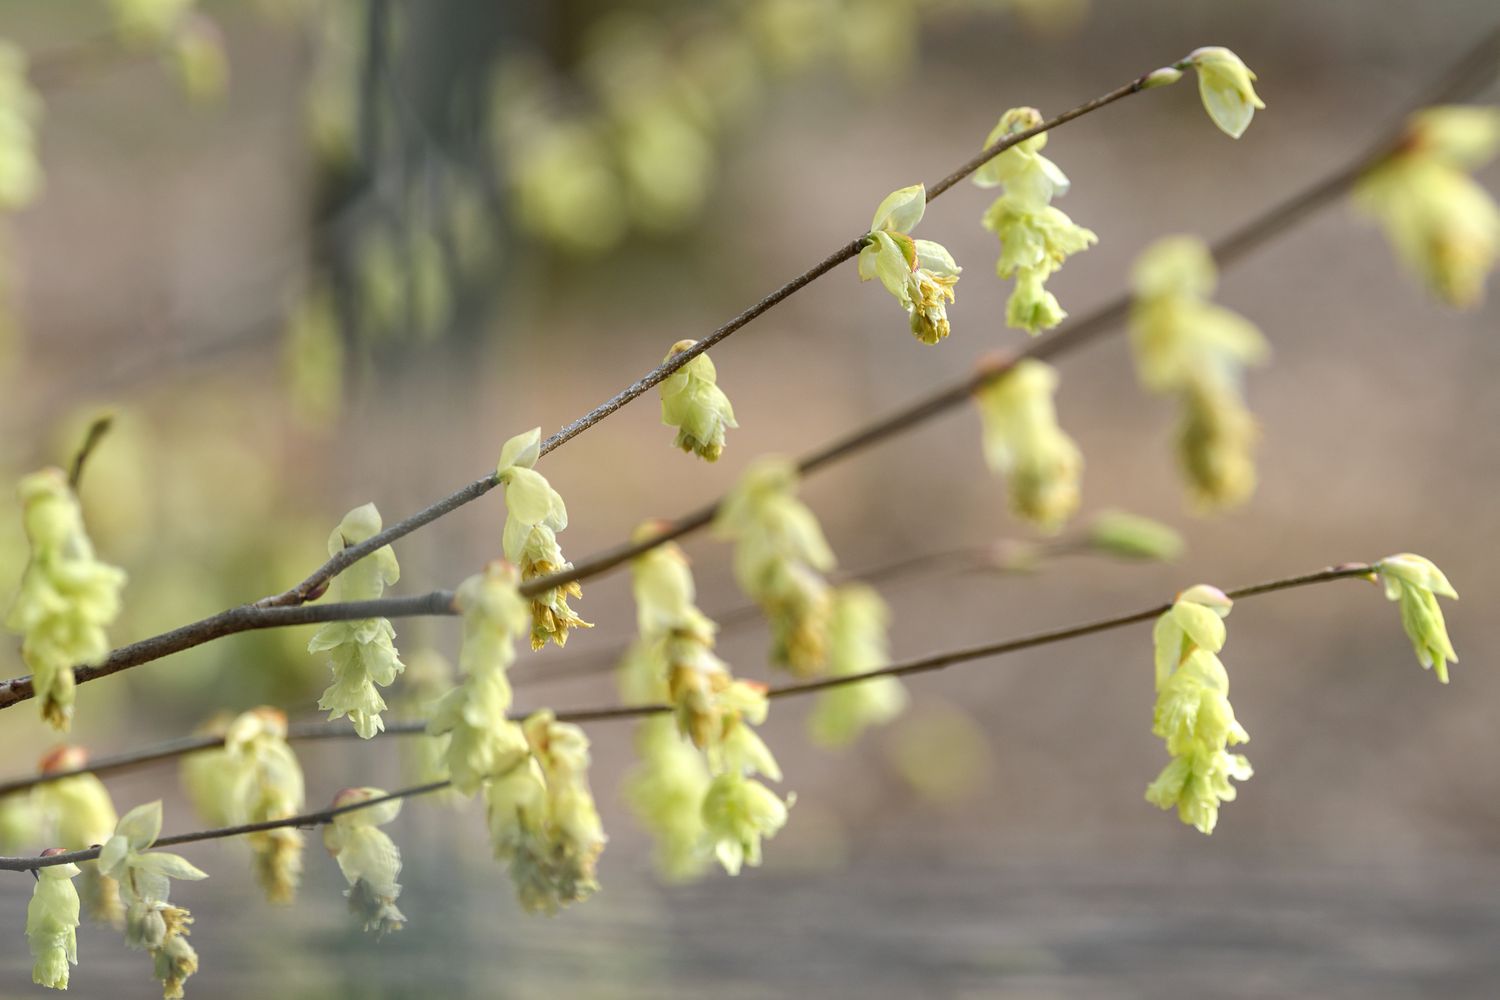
(321,731)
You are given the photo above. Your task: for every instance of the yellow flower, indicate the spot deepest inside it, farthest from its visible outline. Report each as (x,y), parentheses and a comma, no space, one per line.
(1226,86)
(857,644)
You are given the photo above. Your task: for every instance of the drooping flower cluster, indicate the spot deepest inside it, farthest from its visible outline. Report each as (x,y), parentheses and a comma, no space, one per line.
(428,677)
(20,108)
(368,857)
(67,597)
(686,800)
(543,822)
(1035,237)
(534,775)
(363,653)
(1023,442)
(1415,582)
(1188,347)
(919,273)
(1226,86)
(52,924)
(254,778)
(780,557)
(534,514)
(1443,225)
(1193,715)
(482,742)
(151,923)
(692,402)
(80,813)
(857,644)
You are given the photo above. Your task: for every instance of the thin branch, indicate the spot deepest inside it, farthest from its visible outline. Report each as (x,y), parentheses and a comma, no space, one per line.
(991,556)
(91,438)
(1469,75)
(246,618)
(304,821)
(411,727)
(309,588)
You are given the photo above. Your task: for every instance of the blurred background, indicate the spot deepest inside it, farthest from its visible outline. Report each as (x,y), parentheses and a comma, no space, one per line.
(379,238)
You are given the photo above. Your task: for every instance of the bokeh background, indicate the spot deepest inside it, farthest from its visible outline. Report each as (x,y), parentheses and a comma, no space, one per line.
(409,230)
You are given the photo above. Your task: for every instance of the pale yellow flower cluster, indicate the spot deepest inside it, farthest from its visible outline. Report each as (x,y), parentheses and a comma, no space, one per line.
(692,775)
(1187,347)
(919,273)
(780,557)
(534,514)
(151,923)
(1023,442)
(1193,716)
(1444,226)
(1035,237)
(362,653)
(67,597)
(254,778)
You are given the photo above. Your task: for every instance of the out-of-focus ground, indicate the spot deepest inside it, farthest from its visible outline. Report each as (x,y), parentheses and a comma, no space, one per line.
(1363,859)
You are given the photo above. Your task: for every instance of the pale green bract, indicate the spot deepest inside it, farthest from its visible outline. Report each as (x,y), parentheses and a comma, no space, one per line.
(692,402)
(52,925)
(1134,537)
(369,860)
(363,652)
(1227,88)
(1193,716)
(1415,582)
(1035,238)
(67,597)
(919,273)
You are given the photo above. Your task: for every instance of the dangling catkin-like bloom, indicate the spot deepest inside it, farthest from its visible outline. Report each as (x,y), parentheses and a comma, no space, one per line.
(369,859)
(67,597)
(1193,716)
(780,557)
(52,924)
(692,402)
(1415,583)
(80,812)
(856,644)
(1186,346)
(1035,237)
(534,514)
(1023,442)
(362,653)
(1444,226)
(919,273)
